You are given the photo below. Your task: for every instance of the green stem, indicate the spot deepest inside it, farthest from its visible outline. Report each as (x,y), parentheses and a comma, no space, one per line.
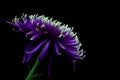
(29,77)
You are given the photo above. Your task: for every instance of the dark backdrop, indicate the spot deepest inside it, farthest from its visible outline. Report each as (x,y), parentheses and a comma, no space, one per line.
(83,15)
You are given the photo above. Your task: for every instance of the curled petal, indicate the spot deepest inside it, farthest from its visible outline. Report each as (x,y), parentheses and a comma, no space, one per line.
(61,45)
(57,49)
(81,54)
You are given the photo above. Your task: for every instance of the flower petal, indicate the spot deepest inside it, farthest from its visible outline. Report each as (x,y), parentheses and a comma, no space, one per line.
(72,53)
(34,36)
(12,24)
(28,46)
(27,22)
(61,45)
(27,57)
(44,50)
(49,65)
(31,32)
(71,43)
(57,49)
(36,47)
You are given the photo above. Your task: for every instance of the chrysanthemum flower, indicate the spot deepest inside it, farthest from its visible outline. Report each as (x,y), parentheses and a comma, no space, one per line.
(49,33)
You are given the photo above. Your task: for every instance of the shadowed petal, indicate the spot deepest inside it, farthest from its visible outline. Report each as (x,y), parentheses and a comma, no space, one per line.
(73,62)
(49,65)
(28,46)
(27,57)
(44,50)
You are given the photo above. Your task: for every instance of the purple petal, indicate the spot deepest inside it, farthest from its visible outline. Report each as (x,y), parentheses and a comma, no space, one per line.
(61,45)
(35,21)
(31,32)
(20,24)
(28,46)
(44,50)
(12,23)
(56,49)
(72,53)
(36,47)
(28,23)
(34,36)
(71,43)
(49,65)
(27,57)
(71,40)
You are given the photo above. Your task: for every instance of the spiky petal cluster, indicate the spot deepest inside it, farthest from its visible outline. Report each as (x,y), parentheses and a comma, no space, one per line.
(42,30)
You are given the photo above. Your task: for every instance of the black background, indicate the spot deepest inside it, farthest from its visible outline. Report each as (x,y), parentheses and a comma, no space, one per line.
(86,17)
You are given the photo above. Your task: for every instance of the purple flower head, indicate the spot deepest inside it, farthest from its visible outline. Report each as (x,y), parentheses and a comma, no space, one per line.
(41,30)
